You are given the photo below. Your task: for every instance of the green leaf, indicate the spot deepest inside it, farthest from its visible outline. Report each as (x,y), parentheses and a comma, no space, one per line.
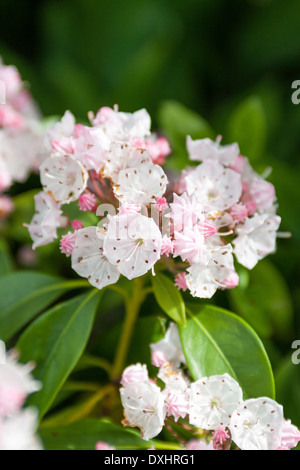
(24,294)
(265,303)
(247,126)
(84,434)
(6,263)
(55,342)
(178,121)
(216,341)
(169,298)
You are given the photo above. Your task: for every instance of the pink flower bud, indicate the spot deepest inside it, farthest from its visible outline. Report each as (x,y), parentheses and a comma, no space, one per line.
(87,202)
(161,204)
(220,436)
(167,246)
(67,244)
(180,282)
(77,225)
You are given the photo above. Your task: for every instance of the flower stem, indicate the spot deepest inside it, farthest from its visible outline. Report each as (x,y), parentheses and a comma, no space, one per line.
(132,308)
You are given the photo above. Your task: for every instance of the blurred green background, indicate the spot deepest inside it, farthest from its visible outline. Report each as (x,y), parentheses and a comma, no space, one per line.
(231,62)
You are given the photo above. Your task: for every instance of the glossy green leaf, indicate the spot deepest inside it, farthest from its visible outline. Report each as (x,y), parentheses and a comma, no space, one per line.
(83,435)
(247,126)
(169,298)
(6,263)
(266,302)
(24,294)
(55,342)
(216,341)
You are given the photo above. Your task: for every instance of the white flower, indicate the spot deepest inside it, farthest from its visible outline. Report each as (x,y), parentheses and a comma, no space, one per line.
(173,378)
(119,126)
(19,149)
(64,128)
(133,244)
(47,218)
(5,176)
(263,194)
(206,277)
(256,239)
(16,383)
(186,211)
(190,245)
(213,401)
(90,147)
(135,373)
(61,130)
(18,431)
(206,149)
(141,185)
(122,156)
(214,186)
(144,408)
(10,76)
(64,178)
(256,424)
(89,261)
(170,346)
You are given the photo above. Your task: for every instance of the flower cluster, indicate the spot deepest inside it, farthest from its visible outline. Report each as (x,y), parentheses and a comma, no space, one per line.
(213,210)
(222,207)
(114,161)
(17,425)
(21,134)
(213,405)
